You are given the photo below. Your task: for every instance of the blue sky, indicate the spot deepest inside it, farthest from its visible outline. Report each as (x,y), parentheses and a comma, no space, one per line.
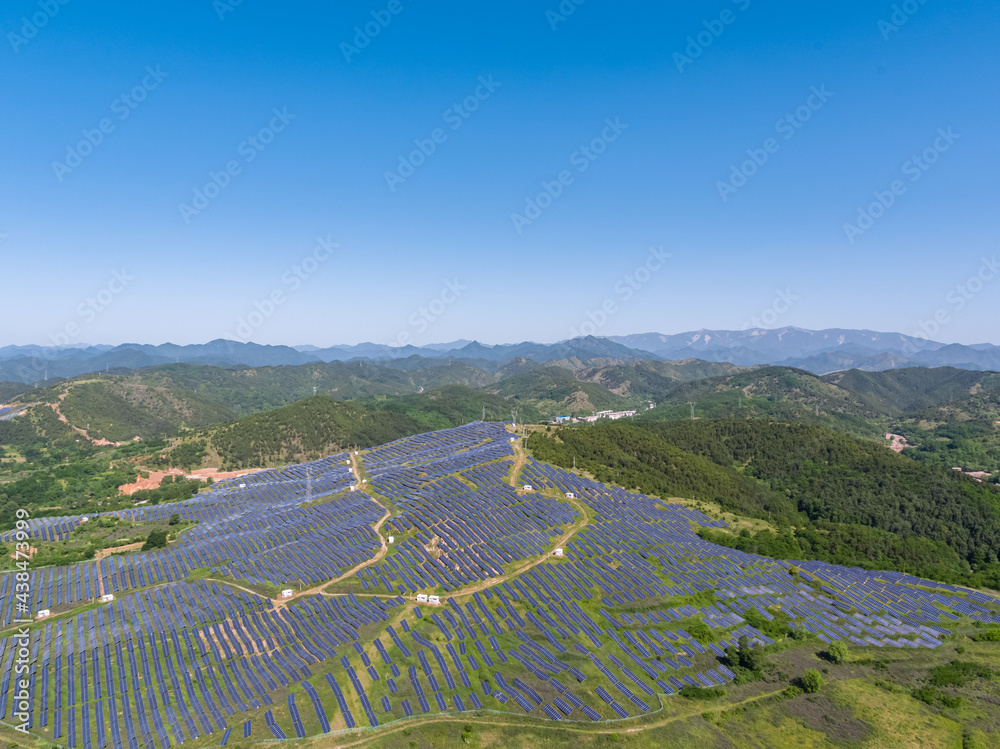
(447,244)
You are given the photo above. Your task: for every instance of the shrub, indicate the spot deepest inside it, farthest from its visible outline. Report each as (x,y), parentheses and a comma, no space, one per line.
(958,674)
(837,652)
(702,693)
(812,680)
(157,540)
(990,635)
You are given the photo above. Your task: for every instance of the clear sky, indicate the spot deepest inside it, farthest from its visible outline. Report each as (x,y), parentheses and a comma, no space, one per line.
(497,171)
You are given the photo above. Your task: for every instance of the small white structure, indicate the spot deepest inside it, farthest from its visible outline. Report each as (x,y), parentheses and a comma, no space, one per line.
(392,539)
(107,598)
(570,495)
(348,462)
(353,487)
(84,519)
(287,593)
(558,552)
(434,600)
(364,481)
(243,486)
(421,598)
(529,488)
(42,614)
(355,452)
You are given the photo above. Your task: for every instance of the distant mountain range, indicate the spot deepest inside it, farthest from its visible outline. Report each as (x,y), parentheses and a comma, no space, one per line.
(820,352)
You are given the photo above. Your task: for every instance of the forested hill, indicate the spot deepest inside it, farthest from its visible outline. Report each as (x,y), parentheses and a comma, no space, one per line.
(849,500)
(318,426)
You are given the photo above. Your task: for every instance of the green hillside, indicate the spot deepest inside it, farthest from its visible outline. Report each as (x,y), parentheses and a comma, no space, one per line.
(902,391)
(779,393)
(849,500)
(555,391)
(318,425)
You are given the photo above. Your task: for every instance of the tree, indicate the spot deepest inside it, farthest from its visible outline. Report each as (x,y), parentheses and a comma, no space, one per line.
(157,540)
(174,519)
(837,651)
(812,680)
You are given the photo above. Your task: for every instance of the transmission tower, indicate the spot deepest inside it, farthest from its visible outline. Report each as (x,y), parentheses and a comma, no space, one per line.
(691,403)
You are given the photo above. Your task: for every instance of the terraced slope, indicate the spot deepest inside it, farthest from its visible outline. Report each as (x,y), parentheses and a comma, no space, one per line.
(199,648)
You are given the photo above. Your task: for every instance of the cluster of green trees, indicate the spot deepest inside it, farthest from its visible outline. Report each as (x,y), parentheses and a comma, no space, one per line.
(171,489)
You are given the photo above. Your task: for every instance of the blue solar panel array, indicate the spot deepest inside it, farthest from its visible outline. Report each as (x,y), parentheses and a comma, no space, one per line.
(175,657)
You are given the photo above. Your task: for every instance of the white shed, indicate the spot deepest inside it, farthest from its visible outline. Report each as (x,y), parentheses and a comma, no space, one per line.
(107,598)
(434,599)
(421,598)
(43,613)
(558,552)
(287,593)
(528,488)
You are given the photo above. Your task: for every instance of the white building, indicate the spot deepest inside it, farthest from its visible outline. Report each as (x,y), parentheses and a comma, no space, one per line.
(287,593)
(392,539)
(421,598)
(44,613)
(107,598)
(528,488)
(558,552)
(570,495)
(434,600)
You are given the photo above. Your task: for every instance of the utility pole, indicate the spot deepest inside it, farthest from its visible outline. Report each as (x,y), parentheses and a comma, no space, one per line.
(484,413)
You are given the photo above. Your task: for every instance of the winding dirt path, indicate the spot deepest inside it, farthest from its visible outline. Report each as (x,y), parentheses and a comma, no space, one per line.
(583,522)
(356,470)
